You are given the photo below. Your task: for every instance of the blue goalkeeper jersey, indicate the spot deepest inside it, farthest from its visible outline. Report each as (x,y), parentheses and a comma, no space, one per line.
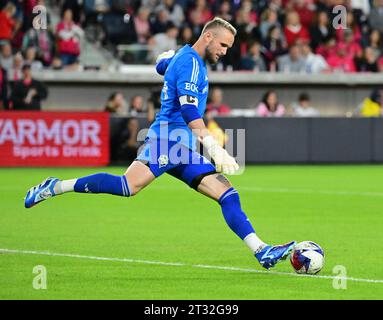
(185,82)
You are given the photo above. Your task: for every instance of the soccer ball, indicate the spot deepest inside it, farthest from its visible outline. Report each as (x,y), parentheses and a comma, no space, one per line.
(307,257)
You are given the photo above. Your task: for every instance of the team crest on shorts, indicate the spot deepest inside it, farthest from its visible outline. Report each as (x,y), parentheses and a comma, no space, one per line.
(163,160)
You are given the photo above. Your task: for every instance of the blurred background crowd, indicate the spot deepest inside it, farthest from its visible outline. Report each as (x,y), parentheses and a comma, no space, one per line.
(281,36)
(273,35)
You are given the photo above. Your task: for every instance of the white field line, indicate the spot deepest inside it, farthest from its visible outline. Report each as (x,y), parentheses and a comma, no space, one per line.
(181,264)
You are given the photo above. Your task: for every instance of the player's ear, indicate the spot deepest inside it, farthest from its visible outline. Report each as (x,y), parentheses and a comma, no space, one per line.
(208,36)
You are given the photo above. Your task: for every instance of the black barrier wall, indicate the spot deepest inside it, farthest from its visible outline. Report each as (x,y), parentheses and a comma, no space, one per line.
(307,140)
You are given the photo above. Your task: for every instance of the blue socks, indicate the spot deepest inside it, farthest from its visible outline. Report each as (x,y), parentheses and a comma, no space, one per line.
(103,183)
(234,216)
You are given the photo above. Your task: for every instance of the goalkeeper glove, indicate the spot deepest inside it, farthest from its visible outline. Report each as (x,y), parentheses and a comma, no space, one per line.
(165,55)
(224,162)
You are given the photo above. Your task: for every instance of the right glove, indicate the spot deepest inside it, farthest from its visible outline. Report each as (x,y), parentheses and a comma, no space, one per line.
(223,161)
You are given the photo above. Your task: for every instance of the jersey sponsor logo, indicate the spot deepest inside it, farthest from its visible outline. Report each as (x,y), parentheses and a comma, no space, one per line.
(186,99)
(191,86)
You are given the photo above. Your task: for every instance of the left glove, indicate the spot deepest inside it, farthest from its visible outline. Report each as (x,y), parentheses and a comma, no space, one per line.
(165,55)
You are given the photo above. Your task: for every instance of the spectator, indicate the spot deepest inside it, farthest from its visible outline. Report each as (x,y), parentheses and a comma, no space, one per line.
(69,37)
(371,106)
(368,62)
(275,46)
(142,25)
(303,107)
(27,93)
(314,63)
(7,23)
(246,29)
(175,11)
(24,19)
(185,36)
(123,133)
(136,106)
(340,60)
(16,72)
(128,139)
(3,89)
(246,8)
(375,18)
(76,7)
(200,14)
(43,40)
(30,58)
(375,42)
(216,107)
(94,8)
(6,58)
(352,27)
(329,48)
(116,103)
(225,11)
(305,11)
(161,42)
(291,62)
(353,47)
(160,21)
(269,18)
(254,60)
(321,30)
(43,47)
(277,6)
(269,106)
(294,30)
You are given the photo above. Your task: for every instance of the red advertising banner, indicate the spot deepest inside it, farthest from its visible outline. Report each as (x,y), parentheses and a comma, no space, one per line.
(54,138)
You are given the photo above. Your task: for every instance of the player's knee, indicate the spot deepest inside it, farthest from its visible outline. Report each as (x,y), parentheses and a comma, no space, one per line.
(134,190)
(134,187)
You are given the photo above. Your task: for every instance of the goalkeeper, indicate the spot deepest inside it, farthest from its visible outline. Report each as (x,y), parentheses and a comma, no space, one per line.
(170,145)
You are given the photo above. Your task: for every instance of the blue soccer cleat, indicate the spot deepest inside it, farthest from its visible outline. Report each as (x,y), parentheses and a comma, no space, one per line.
(271,255)
(40,192)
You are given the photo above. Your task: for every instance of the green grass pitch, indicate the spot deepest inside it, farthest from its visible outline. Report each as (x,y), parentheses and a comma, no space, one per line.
(339,207)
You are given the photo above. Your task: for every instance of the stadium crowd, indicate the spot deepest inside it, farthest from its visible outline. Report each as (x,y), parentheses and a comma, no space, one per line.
(273,35)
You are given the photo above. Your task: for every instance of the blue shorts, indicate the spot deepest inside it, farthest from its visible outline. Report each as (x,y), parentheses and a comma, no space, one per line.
(175,159)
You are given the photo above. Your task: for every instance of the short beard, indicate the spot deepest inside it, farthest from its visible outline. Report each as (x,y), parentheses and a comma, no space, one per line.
(209,57)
